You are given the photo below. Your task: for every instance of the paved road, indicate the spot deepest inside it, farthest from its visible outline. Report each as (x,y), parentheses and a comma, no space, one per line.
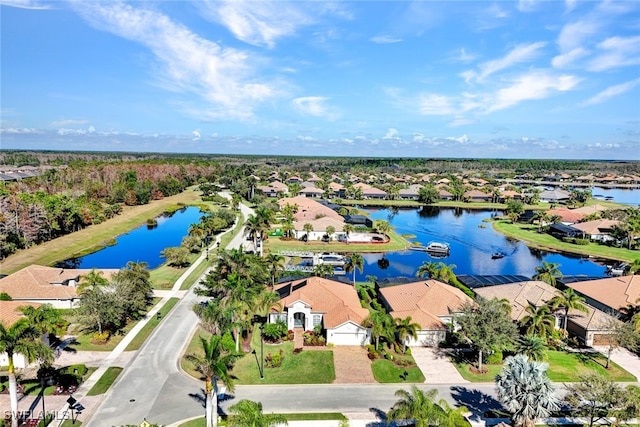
(152,385)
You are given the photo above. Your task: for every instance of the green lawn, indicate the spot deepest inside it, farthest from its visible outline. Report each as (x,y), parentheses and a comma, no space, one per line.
(563,367)
(385,371)
(396,243)
(105,381)
(529,234)
(146,330)
(319,416)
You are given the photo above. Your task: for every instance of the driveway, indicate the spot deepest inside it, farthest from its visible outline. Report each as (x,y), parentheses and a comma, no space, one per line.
(624,358)
(436,366)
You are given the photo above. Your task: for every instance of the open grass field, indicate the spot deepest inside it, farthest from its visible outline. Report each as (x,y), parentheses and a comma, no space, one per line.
(529,234)
(563,367)
(385,371)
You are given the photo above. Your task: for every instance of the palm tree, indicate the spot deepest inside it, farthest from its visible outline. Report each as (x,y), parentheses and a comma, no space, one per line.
(275,263)
(214,365)
(247,413)
(568,300)
(452,417)
(323,270)
(22,338)
(329,231)
(348,228)
(256,228)
(354,262)
(46,319)
(531,346)
(405,329)
(548,272)
(92,280)
(416,405)
(539,321)
(381,324)
(542,218)
(383,227)
(428,269)
(308,228)
(525,390)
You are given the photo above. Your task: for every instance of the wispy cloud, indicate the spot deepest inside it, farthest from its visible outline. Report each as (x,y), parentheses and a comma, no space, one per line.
(565,60)
(314,106)
(26,4)
(527,5)
(520,53)
(431,104)
(68,122)
(385,39)
(259,23)
(224,77)
(612,91)
(616,52)
(530,86)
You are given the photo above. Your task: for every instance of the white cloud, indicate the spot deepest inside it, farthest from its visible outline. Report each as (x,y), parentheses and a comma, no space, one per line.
(223,77)
(314,106)
(21,131)
(196,135)
(432,104)
(386,39)
(520,53)
(532,85)
(461,121)
(612,91)
(566,59)
(392,133)
(527,5)
(574,35)
(570,5)
(25,4)
(68,122)
(259,23)
(618,52)
(459,139)
(464,56)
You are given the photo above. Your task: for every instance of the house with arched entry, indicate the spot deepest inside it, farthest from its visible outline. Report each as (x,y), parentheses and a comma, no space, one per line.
(313,301)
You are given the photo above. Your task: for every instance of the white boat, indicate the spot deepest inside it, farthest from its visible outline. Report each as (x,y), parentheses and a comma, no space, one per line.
(438,247)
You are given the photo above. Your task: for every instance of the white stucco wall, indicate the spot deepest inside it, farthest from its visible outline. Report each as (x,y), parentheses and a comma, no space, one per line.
(18,360)
(349,333)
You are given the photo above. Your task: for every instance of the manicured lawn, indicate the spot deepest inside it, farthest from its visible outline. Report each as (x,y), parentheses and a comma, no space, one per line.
(105,381)
(385,371)
(529,234)
(563,367)
(164,277)
(146,330)
(320,416)
(397,243)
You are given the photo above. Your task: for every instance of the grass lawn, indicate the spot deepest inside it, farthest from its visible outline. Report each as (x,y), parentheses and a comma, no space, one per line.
(563,367)
(105,381)
(319,416)
(146,330)
(529,234)
(397,243)
(385,371)
(307,367)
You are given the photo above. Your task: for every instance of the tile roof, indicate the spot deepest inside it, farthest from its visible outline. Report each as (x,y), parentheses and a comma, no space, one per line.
(425,301)
(9,312)
(338,301)
(567,215)
(42,282)
(614,292)
(309,209)
(598,226)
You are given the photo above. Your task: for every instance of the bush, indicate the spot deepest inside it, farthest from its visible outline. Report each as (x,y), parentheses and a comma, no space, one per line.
(582,242)
(273,360)
(495,358)
(100,338)
(274,332)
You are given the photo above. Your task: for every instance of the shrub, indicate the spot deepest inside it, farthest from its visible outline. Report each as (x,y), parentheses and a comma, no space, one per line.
(495,358)
(100,338)
(273,360)
(408,351)
(291,335)
(275,331)
(582,242)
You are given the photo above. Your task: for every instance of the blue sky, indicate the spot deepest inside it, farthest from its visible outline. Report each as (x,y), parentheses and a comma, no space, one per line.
(508,79)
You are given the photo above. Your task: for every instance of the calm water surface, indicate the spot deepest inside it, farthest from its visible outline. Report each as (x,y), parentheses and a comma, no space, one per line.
(472,243)
(142,244)
(629,197)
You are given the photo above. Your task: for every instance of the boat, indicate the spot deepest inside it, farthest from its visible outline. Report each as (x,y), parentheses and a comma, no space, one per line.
(438,248)
(498,255)
(617,269)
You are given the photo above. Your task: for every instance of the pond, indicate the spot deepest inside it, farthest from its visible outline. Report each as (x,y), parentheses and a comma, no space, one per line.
(143,244)
(473,242)
(618,195)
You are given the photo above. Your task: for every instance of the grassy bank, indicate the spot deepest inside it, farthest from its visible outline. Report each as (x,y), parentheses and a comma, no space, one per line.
(396,243)
(529,234)
(105,381)
(95,236)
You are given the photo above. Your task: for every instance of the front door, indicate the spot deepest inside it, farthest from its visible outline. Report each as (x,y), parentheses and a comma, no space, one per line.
(298,320)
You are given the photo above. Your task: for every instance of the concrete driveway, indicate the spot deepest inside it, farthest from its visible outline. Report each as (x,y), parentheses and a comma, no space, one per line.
(624,358)
(436,366)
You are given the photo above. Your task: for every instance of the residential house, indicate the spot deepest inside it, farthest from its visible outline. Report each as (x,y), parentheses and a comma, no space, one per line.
(589,327)
(598,230)
(567,216)
(560,231)
(46,285)
(358,220)
(510,194)
(317,214)
(337,190)
(294,180)
(445,195)
(554,196)
(311,192)
(610,294)
(477,196)
(410,193)
(313,301)
(430,303)
(369,192)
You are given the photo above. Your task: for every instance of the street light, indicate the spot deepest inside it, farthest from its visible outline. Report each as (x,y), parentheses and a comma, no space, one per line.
(261,320)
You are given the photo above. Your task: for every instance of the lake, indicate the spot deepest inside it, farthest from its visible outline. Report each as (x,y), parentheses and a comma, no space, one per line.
(143,244)
(618,195)
(472,243)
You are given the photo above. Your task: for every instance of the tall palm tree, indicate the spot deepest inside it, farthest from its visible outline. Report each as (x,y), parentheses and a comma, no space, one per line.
(45,318)
(531,346)
(428,269)
(568,300)
(348,229)
(247,413)
(255,227)
(452,417)
(214,364)
(275,264)
(548,272)
(525,390)
(308,228)
(405,328)
(92,280)
(381,324)
(416,405)
(354,262)
(538,321)
(383,227)
(22,338)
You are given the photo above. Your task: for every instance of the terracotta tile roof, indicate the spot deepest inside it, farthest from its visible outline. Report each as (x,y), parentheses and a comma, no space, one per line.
(588,210)
(599,226)
(42,282)
(614,292)
(338,301)
(425,301)
(539,293)
(320,224)
(9,312)
(309,209)
(567,215)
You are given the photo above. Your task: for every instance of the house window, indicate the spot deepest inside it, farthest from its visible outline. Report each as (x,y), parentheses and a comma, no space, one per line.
(317,319)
